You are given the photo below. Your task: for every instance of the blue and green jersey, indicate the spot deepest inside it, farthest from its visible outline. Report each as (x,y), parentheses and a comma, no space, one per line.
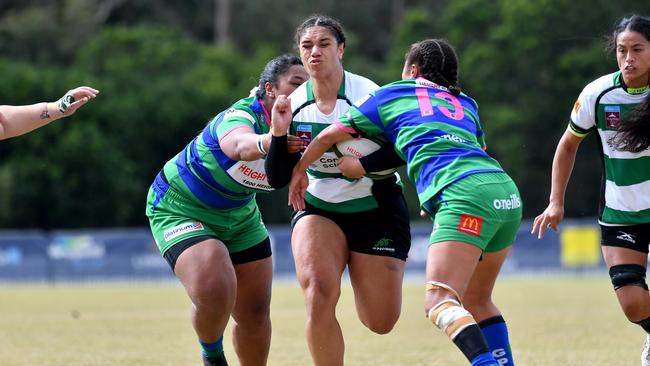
(205,174)
(438,134)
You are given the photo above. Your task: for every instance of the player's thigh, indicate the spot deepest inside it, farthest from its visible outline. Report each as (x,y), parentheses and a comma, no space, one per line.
(482,281)
(452,263)
(320,251)
(377,284)
(205,268)
(254,280)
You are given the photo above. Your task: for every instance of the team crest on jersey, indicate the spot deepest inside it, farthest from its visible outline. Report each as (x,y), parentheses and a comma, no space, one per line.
(304,132)
(470,224)
(613,116)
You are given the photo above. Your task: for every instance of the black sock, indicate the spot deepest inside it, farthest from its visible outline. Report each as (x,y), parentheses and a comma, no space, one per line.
(645,324)
(471,342)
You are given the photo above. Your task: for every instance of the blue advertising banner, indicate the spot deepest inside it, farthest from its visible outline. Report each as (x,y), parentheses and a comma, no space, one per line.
(131,254)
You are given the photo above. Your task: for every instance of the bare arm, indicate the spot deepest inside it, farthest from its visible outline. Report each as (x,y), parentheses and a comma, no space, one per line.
(244,144)
(316,148)
(18,120)
(563,161)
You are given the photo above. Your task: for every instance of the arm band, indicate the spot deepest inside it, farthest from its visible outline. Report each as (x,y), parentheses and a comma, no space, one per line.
(279,163)
(382,159)
(260,145)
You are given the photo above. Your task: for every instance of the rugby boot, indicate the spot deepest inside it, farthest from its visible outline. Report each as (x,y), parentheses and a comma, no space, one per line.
(215,361)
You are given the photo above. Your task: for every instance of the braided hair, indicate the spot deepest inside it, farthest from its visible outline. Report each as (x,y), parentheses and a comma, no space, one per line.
(437,61)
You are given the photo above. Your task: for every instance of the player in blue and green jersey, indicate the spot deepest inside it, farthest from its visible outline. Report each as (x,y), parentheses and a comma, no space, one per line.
(207,225)
(475,205)
(617,108)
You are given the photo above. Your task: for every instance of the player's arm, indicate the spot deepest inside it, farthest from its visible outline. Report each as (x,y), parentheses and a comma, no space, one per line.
(242,143)
(384,158)
(284,150)
(563,162)
(316,148)
(18,120)
(366,109)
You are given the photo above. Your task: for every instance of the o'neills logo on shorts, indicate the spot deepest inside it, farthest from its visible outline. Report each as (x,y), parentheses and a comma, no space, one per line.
(511,203)
(470,224)
(181,229)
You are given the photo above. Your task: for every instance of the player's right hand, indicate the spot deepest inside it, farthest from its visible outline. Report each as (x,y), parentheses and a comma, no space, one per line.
(281,116)
(550,218)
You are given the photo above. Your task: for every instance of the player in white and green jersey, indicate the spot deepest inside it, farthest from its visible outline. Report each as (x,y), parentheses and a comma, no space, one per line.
(351,221)
(601,107)
(329,189)
(475,205)
(207,225)
(617,107)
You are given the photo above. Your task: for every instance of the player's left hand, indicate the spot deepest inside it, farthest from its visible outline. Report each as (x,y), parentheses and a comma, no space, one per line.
(75,98)
(295,144)
(351,167)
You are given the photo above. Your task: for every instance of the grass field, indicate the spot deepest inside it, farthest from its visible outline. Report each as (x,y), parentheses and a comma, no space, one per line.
(553,321)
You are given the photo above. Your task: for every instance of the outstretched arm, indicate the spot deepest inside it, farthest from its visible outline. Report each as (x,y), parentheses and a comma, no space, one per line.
(565,156)
(18,120)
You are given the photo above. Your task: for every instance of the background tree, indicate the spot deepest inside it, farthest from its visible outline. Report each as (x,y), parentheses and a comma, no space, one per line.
(162,78)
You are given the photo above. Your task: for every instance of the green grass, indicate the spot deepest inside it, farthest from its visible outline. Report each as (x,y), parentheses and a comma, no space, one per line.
(552,321)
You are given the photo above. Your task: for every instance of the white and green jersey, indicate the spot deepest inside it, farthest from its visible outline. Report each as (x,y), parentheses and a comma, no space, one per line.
(328,188)
(602,105)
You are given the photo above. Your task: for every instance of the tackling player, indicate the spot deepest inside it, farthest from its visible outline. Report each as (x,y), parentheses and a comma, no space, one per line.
(207,225)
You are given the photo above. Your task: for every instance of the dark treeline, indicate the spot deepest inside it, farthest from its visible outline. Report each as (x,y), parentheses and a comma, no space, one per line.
(166,67)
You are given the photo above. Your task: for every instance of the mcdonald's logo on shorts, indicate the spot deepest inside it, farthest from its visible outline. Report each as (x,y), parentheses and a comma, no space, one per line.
(470,224)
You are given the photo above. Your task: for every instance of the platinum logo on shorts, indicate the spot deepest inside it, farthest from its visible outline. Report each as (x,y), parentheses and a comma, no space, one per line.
(508,204)
(181,229)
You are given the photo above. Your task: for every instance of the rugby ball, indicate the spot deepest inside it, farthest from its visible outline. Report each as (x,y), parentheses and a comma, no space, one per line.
(361,147)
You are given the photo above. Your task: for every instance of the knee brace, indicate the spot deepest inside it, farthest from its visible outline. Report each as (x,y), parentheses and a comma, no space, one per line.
(449,315)
(628,275)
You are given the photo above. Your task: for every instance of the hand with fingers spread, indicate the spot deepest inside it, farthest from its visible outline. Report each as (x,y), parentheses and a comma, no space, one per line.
(550,218)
